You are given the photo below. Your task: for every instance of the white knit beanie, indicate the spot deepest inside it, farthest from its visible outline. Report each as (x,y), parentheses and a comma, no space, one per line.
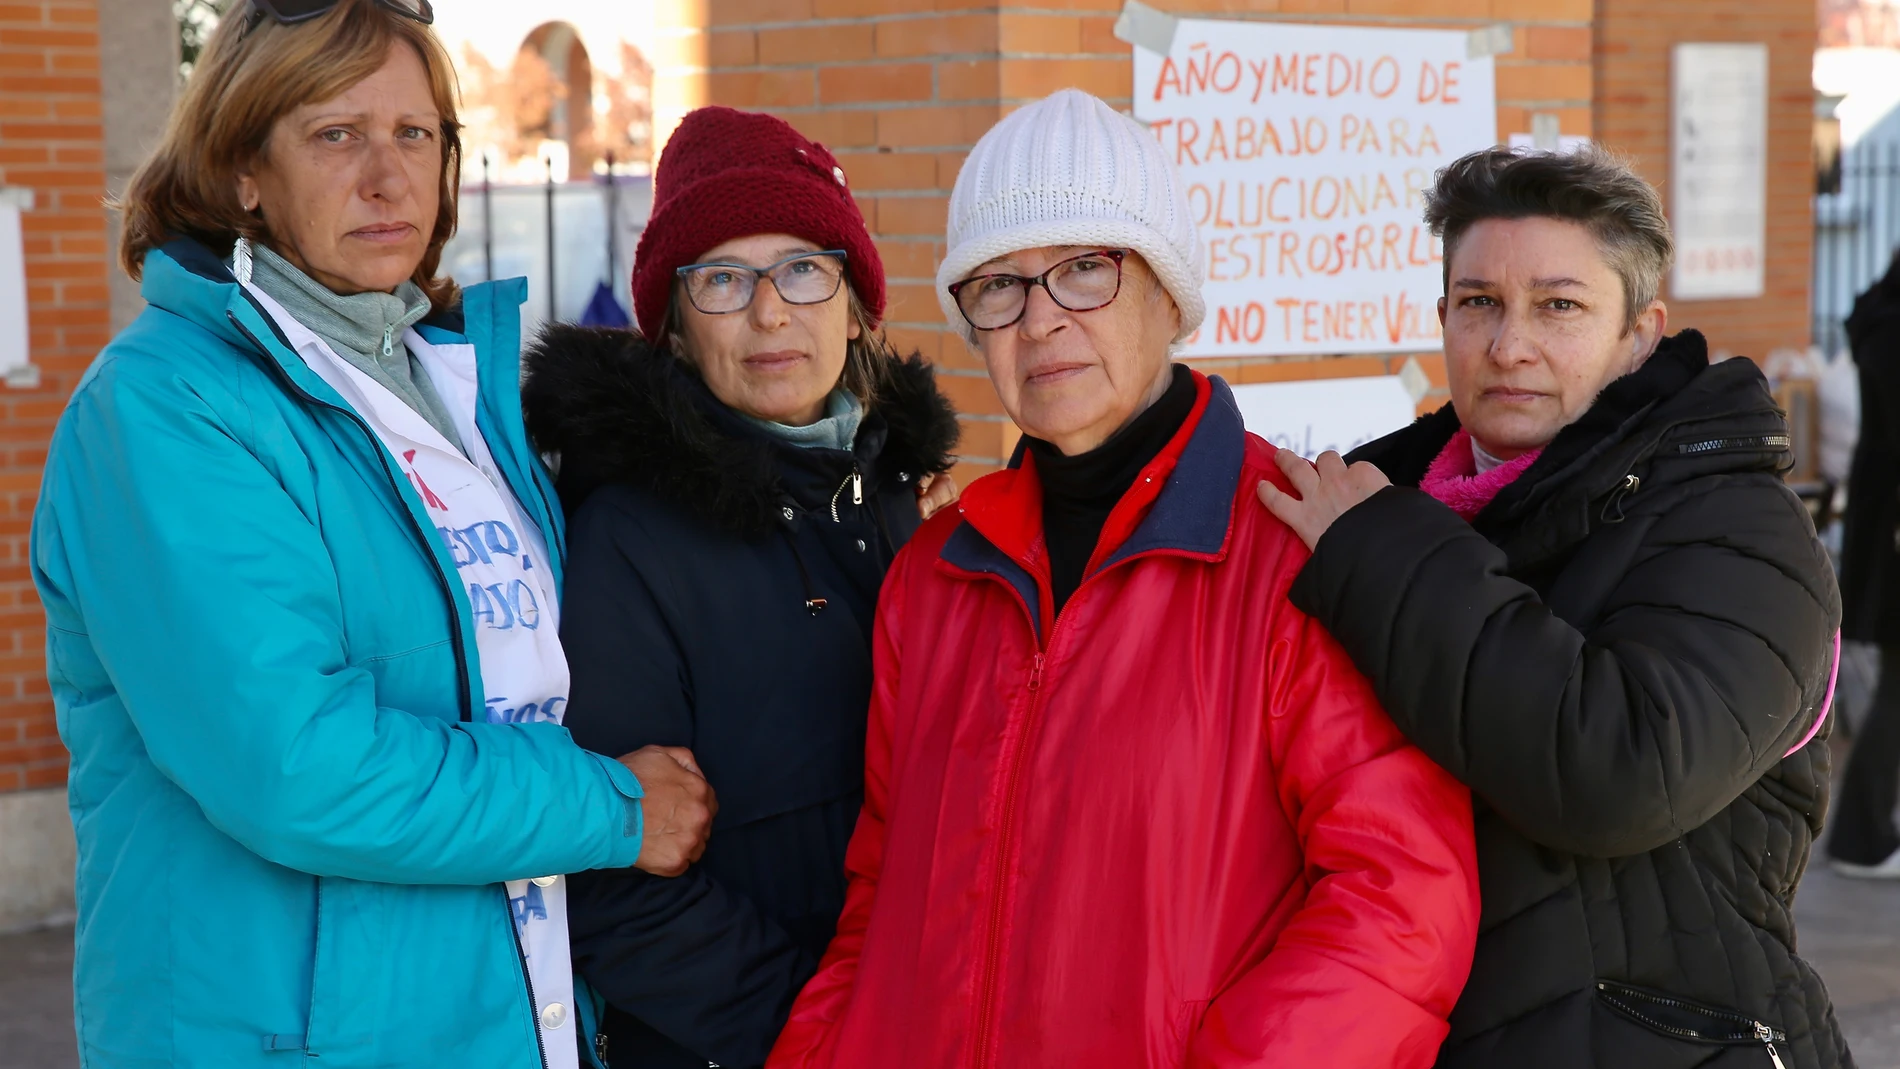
(1070,170)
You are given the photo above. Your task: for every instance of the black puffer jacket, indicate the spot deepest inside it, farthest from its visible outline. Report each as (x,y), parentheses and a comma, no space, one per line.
(699,550)
(1870,550)
(1615,656)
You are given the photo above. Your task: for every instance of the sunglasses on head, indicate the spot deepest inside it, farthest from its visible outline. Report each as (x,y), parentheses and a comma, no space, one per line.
(291,12)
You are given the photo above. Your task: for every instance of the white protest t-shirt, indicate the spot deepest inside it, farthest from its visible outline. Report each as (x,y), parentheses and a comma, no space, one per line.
(501,560)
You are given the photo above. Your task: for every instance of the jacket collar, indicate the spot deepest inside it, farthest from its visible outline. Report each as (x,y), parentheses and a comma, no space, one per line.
(187,279)
(1182,504)
(184,277)
(1641,422)
(617,410)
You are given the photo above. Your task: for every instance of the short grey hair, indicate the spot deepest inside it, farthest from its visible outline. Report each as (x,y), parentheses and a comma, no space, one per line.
(1591,187)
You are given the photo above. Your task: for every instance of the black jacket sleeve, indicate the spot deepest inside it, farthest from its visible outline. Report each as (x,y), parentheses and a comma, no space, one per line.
(694,960)
(1708,663)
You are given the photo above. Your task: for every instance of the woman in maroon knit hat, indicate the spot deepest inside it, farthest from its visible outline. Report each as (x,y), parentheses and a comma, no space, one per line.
(737,477)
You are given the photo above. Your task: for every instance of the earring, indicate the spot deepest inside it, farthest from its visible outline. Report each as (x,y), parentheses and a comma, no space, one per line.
(241,259)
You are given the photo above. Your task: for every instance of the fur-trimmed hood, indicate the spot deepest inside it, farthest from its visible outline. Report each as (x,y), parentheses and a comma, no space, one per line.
(617,410)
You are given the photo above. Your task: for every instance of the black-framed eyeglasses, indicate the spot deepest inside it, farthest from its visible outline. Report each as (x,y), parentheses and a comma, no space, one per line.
(1079,284)
(291,12)
(719,287)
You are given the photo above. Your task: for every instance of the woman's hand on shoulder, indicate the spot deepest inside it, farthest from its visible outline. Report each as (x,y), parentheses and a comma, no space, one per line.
(934,492)
(1326,490)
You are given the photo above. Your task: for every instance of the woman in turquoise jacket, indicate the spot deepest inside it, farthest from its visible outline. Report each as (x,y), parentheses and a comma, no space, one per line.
(311,823)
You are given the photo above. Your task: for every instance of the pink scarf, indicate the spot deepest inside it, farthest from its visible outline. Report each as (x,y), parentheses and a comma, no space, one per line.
(1453,478)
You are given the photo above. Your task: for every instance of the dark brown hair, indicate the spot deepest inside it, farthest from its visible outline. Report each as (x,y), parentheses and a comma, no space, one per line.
(243,83)
(1591,187)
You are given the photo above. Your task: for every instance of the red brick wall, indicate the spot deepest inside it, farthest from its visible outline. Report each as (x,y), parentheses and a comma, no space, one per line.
(899,92)
(51,141)
(1633,43)
(901,89)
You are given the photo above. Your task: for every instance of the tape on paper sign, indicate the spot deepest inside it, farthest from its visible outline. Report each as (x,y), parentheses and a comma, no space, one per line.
(1146,27)
(1492,40)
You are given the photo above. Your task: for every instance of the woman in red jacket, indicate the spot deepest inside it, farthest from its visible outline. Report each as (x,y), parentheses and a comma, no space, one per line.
(1124,805)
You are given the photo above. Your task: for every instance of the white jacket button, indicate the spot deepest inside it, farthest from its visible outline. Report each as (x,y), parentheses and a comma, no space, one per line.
(544,881)
(553,1016)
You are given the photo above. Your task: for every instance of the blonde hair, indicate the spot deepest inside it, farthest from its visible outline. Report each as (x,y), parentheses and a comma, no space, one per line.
(253,72)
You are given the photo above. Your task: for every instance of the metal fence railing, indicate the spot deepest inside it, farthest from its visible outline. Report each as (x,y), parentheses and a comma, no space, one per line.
(1856,231)
(565,238)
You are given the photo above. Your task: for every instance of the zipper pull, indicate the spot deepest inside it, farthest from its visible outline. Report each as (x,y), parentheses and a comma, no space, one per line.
(1767,1037)
(1035,673)
(1631,484)
(389,340)
(857,487)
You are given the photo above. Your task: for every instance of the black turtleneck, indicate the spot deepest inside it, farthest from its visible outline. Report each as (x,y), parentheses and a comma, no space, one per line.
(1079,492)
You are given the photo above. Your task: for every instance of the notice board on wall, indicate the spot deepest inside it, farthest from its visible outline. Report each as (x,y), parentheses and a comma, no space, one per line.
(1305,150)
(1718,175)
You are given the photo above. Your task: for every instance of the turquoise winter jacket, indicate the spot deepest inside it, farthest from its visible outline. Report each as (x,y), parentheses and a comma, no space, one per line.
(292,834)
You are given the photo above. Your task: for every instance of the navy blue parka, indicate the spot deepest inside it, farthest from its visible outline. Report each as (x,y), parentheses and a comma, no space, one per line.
(720,595)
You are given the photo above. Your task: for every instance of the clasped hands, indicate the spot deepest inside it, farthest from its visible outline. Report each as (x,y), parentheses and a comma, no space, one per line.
(677,807)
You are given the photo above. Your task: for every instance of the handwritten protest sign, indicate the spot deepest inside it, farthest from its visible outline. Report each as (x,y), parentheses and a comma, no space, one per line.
(1305,150)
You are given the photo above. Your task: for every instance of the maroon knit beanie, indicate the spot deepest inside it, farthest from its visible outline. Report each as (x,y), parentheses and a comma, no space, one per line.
(729,174)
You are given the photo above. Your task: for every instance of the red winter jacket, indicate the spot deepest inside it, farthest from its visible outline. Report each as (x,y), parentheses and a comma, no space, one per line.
(1173,828)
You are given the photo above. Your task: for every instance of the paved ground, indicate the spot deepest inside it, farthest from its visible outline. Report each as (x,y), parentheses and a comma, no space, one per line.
(36,1000)
(1850,930)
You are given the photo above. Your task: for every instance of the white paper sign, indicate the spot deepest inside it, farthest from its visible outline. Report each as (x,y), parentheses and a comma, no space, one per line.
(1719,175)
(1313,416)
(13,331)
(1305,149)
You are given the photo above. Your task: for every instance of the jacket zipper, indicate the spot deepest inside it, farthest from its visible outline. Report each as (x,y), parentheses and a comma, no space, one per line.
(448,595)
(1613,508)
(993,947)
(1758,441)
(1767,1037)
(466,698)
(855,481)
(389,341)
(527,980)
(993,943)
(1631,483)
(1621,996)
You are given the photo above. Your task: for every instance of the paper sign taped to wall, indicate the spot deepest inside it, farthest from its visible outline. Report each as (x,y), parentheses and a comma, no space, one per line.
(1314,416)
(13,305)
(1305,150)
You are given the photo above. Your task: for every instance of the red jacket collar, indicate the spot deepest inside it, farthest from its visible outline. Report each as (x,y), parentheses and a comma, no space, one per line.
(1181,504)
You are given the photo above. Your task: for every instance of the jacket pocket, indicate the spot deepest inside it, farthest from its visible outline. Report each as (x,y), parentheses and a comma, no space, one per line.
(1691,1022)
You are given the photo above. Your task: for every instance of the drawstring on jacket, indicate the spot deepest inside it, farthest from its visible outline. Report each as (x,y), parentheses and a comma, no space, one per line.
(813,603)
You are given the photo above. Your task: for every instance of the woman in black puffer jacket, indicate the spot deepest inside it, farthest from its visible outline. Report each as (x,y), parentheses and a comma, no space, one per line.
(1621,634)
(735,495)
(1865,841)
